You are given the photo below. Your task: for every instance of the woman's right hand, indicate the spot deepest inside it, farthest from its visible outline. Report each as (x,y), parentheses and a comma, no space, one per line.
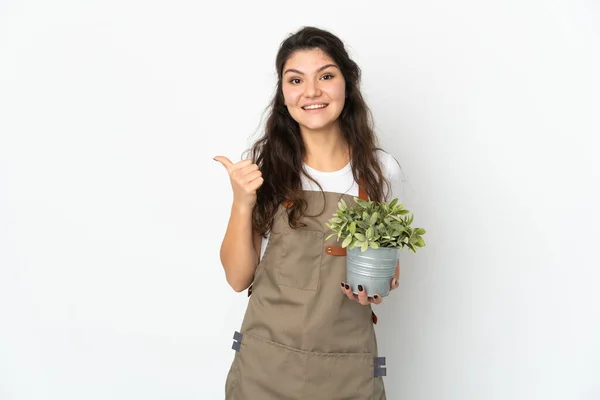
(245,178)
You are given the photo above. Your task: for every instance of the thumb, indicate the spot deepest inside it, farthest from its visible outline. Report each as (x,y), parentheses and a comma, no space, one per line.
(224,161)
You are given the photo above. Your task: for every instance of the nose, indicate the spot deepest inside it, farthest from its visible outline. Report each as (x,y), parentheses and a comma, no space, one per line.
(312,88)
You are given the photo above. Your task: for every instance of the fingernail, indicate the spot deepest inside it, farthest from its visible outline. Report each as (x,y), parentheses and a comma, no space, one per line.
(347,287)
(342,284)
(375,297)
(360,288)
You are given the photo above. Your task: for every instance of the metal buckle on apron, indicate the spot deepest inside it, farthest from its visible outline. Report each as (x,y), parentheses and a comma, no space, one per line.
(237,341)
(380,368)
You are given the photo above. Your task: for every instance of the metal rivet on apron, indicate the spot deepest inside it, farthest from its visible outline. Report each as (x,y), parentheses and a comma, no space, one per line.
(237,341)
(380,369)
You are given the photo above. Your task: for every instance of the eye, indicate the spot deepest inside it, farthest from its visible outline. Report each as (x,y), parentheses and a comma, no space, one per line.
(328,77)
(295,81)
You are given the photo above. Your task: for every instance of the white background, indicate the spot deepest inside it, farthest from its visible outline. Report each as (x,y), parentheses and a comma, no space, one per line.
(112,210)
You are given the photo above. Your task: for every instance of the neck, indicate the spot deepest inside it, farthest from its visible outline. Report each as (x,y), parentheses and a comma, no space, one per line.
(326,150)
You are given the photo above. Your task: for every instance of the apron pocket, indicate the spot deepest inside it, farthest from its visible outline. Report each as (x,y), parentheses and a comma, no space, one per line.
(265,370)
(300,263)
(340,377)
(269,371)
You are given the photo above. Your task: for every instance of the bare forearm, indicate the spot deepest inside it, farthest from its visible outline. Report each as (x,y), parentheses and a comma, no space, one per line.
(238,254)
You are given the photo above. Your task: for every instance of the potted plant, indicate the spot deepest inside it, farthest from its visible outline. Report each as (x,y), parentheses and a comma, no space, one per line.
(373,234)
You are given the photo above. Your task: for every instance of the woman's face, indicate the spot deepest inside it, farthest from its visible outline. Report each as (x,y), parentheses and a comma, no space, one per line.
(314,89)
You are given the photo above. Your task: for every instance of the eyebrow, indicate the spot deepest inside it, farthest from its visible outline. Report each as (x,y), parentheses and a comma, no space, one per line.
(319,70)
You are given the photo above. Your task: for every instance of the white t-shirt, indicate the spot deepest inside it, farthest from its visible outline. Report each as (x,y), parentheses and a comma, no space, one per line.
(342,181)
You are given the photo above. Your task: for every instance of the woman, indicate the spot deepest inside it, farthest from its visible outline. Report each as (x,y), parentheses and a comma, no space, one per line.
(305,334)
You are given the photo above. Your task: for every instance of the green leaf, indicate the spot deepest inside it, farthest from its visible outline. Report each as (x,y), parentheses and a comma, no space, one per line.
(361,202)
(360,237)
(374,245)
(397,218)
(364,246)
(363,225)
(374,217)
(347,241)
(369,233)
(352,227)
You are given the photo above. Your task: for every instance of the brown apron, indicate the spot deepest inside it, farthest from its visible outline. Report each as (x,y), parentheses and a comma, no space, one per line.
(301,337)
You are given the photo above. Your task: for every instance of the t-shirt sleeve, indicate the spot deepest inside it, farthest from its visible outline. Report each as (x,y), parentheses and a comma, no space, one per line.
(395,178)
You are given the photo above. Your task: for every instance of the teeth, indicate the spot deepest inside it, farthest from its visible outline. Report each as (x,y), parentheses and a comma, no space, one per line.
(315,106)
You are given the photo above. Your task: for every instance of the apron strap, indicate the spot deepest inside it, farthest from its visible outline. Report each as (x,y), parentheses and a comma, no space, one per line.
(339,250)
(362,193)
(335,250)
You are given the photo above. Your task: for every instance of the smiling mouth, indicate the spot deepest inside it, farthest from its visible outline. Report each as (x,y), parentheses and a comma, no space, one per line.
(315,107)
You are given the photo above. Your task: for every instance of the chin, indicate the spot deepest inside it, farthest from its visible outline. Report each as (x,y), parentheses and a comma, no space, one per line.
(316,124)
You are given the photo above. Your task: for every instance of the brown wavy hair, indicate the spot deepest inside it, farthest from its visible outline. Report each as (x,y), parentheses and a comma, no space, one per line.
(280,152)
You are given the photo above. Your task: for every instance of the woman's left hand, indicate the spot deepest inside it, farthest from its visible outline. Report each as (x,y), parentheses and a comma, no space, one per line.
(362,297)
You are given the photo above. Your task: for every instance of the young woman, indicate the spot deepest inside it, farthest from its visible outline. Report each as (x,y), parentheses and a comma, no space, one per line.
(305,334)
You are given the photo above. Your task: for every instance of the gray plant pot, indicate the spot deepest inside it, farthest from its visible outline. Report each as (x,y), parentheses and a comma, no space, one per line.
(373,269)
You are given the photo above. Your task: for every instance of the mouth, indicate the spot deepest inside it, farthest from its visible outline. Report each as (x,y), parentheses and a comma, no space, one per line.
(315,107)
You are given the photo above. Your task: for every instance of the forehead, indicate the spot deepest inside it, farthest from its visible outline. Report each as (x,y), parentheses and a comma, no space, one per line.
(308,60)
